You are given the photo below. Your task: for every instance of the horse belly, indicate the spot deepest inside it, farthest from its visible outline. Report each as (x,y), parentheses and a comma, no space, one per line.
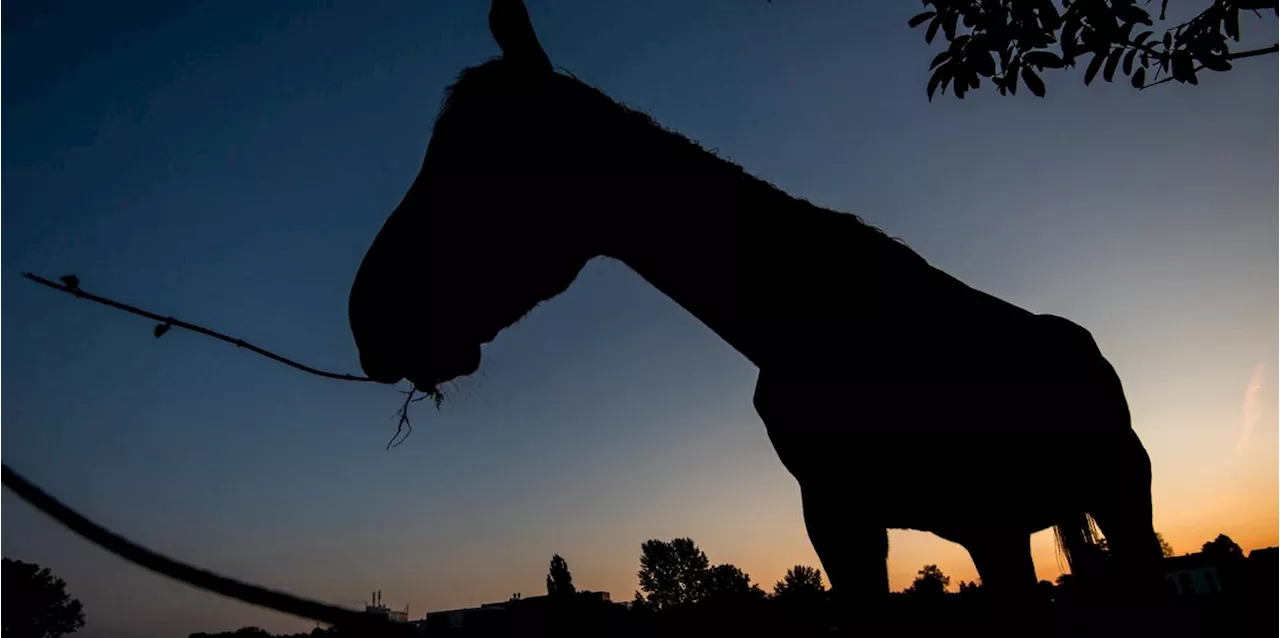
(930,458)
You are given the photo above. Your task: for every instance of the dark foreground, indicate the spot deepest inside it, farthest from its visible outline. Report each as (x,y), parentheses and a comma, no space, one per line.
(1254,614)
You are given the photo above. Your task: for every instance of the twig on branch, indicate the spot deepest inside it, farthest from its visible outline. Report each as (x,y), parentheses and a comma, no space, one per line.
(71,285)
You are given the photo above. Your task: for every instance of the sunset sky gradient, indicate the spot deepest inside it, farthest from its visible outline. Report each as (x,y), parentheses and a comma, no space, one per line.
(229,163)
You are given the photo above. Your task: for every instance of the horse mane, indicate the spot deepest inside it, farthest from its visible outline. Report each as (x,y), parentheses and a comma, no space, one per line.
(490,76)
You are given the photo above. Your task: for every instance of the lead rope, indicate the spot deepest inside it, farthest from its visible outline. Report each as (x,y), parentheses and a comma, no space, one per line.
(345,620)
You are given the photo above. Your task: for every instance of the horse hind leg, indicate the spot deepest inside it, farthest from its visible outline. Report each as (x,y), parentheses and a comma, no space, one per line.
(1118,496)
(1123,513)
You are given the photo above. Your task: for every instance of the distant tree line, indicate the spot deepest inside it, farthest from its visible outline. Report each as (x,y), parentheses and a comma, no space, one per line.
(681,591)
(258,632)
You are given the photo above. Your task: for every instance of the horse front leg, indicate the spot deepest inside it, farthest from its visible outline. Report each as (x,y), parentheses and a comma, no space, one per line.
(1008,577)
(847,530)
(854,550)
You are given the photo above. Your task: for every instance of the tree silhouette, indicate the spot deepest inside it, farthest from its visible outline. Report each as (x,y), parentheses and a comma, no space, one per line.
(36,604)
(1223,548)
(929,582)
(969,589)
(1166,549)
(672,573)
(559,580)
(640,603)
(258,632)
(1010,40)
(800,581)
(728,582)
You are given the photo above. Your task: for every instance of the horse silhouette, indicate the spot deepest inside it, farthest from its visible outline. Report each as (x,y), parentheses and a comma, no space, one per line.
(896,395)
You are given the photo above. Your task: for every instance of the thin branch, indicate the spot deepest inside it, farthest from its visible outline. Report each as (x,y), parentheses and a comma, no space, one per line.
(71,286)
(194,576)
(1275,48)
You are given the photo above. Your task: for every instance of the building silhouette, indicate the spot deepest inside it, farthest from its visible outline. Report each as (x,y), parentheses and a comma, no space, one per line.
(488,614)
(376,607)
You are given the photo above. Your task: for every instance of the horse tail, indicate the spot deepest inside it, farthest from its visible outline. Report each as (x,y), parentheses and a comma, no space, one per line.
(1078,541)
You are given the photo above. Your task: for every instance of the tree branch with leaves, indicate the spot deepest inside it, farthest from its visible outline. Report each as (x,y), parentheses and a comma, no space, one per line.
(1012,41)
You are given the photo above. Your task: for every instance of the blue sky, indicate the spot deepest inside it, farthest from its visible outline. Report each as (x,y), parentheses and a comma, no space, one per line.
(229,163)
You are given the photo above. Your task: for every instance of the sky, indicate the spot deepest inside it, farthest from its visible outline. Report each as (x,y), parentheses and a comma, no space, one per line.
(229,163)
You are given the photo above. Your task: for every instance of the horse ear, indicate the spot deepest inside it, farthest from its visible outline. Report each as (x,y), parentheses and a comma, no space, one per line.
(511,28)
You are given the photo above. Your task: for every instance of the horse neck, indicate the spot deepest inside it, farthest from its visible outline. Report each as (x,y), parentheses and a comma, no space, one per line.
(739,254)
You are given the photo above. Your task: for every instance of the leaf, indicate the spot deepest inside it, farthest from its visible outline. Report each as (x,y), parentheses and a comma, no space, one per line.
(1128,61)
(1069,40)
(1088,39)
(1133,13)
(1183,68)
(1033,81)
(1092,69)
(1168,40)
(1215,63)
(1126,33)
(1142,37)
(1043,59)
(1113,60)
(1139,78)
(920,18)
(983,63)
(949,25)
(1109,69)
(932,30)
(1231,23)
(160,329)
(939,59)
(1049,16)
(940,74)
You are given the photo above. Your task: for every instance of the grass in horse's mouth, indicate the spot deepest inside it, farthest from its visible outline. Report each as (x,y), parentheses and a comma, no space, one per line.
(412,395)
